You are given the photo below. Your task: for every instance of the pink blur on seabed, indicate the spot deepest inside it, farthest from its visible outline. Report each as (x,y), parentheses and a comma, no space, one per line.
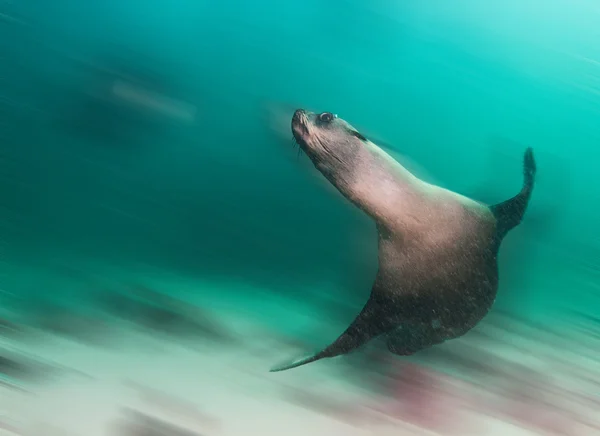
(426,398)
(419,397)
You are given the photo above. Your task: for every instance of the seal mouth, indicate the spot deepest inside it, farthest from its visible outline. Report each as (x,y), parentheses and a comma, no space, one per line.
(300,126)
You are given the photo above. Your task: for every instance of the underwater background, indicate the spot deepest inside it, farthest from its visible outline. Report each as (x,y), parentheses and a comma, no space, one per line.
(146,145)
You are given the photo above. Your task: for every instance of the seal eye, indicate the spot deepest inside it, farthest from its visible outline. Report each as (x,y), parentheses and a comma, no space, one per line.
(326,117)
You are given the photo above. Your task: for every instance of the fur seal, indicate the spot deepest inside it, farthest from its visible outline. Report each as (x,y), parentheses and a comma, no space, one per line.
(437,272)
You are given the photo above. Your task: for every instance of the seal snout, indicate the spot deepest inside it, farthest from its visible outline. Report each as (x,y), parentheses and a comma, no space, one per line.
(299,124)
(299,114)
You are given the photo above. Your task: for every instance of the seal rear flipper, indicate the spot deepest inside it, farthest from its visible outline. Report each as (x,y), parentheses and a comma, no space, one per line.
(510,213)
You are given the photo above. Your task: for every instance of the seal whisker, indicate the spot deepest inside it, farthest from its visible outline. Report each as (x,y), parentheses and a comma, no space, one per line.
(295,143)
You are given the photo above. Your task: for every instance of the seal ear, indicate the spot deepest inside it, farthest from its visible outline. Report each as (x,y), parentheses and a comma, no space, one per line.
(358,135)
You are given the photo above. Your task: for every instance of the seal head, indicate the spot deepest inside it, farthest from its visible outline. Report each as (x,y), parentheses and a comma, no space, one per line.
(330,142)
(437,262)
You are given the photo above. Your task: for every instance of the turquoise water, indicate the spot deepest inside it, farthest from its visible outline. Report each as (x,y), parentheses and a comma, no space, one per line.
(148,143)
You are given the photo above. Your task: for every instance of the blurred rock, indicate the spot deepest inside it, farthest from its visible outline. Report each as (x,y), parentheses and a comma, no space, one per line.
(164,314)
(139,424)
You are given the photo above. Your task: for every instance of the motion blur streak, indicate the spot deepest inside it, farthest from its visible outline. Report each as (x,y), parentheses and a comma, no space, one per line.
(162,242)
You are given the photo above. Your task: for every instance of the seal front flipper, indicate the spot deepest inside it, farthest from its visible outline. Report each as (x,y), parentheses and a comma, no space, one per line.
(369,324)
(509,213)
(296,363)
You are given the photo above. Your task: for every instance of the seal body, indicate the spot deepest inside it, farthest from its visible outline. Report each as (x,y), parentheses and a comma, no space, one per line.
(438,273)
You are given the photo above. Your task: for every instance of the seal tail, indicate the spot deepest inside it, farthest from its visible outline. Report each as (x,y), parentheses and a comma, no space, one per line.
(366,326)
(509,213)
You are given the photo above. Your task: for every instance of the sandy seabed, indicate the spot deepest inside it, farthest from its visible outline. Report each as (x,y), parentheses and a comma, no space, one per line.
(207,394)
(144,384)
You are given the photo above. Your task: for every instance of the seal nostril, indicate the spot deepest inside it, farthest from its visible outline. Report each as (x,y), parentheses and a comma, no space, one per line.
(299,120)
(299,128)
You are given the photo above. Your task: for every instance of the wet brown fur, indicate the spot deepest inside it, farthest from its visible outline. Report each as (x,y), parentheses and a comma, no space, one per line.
(438,273)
